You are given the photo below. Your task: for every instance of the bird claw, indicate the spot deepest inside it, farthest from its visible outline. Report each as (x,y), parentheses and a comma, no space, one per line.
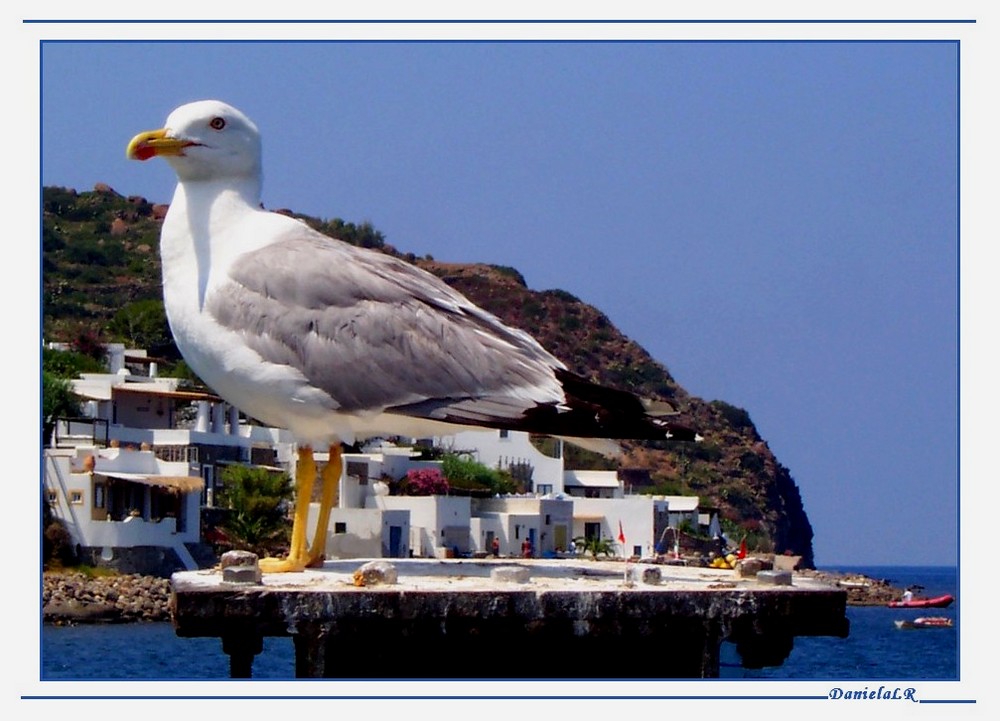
(282,565)
(290,564)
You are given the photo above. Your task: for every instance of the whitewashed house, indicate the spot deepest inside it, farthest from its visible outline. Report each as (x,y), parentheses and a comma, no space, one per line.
(366,532)
(439,525)
(604,517)
(512,451)
(125,507)
(545,522)
(361,525)
(157,453)
(178,425)
(593,484)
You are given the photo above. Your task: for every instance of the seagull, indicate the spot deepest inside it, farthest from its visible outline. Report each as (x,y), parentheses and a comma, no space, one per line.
(338,343)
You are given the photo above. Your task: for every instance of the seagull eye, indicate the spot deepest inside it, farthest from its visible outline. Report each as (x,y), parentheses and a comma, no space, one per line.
(217,123)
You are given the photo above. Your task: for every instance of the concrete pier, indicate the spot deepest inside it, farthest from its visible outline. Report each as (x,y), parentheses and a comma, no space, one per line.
(486,619)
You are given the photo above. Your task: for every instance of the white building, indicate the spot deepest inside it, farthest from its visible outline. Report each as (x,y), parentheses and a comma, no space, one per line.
(593,484)
(178,425)
(439,525)
(546,523)
(513,451)
(129,478)
(114,501)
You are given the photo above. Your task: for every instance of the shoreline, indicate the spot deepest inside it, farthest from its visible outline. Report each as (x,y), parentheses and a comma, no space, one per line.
(861,590)
(71,597)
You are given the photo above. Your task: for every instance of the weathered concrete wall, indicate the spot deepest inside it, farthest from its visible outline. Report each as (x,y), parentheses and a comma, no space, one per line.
(525,630)
(157,561)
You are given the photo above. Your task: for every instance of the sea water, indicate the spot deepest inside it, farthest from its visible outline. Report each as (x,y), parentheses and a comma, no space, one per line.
(874,650)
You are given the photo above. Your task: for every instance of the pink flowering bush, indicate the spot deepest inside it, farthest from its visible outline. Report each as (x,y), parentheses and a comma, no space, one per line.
(424,482)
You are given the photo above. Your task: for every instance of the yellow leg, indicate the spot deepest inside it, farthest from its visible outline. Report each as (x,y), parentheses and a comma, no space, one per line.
(305,476)
(331,484)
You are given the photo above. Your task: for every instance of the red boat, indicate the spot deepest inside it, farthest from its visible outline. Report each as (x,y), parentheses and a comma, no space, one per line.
(942,601)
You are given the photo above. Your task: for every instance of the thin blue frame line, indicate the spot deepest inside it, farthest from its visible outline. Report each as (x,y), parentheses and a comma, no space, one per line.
(947,700)
(958,345)
(498,697)
(506,41)
(958,228)
(553,21)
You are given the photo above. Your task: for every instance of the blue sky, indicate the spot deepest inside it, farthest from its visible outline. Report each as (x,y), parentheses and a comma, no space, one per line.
(775,222)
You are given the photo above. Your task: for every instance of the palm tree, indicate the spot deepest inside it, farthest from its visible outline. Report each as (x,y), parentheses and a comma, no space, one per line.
(255,499)
(595,546)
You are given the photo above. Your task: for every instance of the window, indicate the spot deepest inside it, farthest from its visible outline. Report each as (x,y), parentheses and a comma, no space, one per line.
(340,527)
(504,433)
(76,497)
(359,471)
(51,495)
(98,495)
(176,453)
(208,492)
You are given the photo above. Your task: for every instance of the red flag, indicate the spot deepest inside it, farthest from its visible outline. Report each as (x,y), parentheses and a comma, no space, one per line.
(621,533)
(743,548)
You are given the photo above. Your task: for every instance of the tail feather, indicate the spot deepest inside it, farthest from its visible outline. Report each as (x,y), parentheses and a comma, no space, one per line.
(592,416)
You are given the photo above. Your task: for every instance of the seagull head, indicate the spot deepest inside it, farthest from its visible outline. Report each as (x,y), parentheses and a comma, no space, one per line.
(204,140)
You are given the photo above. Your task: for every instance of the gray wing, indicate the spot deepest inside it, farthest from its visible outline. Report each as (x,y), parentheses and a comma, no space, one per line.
(376,333)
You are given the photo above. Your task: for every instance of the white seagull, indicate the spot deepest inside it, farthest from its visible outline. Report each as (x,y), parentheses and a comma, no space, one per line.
(338,343)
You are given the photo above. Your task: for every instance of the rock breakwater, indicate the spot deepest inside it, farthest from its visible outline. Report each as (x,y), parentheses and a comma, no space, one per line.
(72,597)
(861,590)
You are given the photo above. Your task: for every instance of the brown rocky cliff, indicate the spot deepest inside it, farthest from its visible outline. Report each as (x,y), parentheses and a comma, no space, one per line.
(733,469)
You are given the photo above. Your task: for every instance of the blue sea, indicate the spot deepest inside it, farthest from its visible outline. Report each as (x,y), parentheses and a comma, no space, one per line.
(874,650)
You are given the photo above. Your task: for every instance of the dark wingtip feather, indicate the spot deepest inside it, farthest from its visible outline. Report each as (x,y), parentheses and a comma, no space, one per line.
(597,411)
(589,411)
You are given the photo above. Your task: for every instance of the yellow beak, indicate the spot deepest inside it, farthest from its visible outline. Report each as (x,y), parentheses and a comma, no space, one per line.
(154,142)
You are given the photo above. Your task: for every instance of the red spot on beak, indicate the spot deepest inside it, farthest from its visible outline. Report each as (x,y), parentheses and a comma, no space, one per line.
(143,152)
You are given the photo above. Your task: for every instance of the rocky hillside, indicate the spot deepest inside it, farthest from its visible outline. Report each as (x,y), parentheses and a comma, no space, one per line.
(101,283)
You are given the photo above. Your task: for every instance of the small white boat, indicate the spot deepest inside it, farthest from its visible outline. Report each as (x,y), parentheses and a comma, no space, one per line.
(927,622)
(853,583)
